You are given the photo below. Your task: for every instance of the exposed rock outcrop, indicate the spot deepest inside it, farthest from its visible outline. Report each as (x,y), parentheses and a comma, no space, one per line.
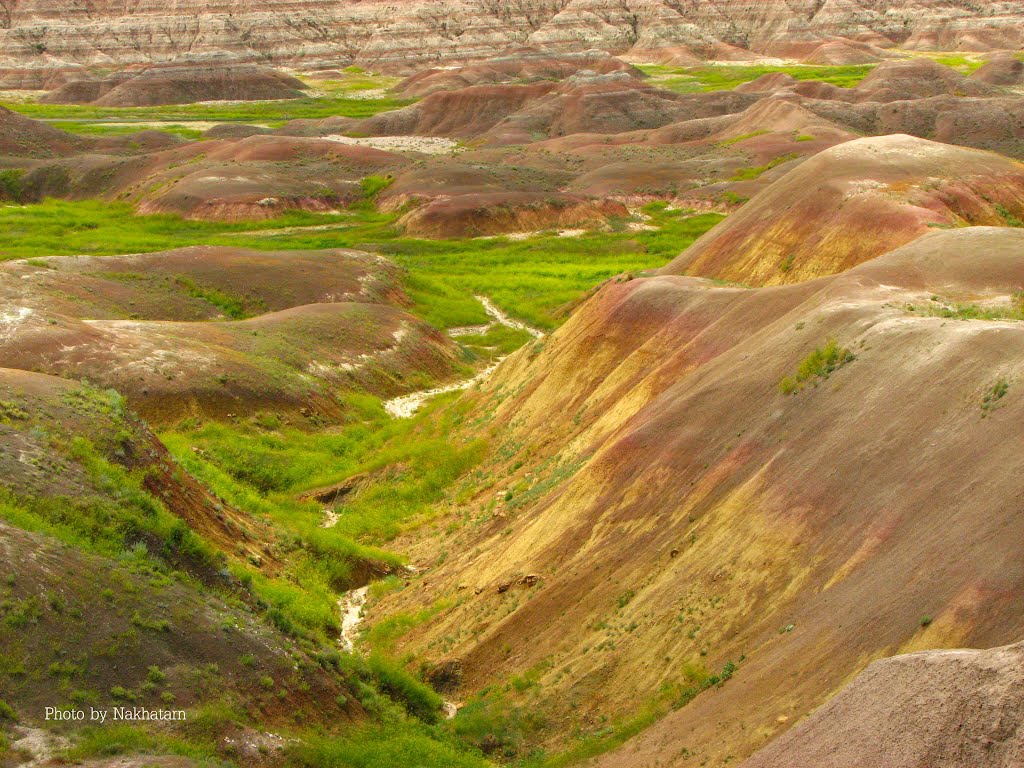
(47,36)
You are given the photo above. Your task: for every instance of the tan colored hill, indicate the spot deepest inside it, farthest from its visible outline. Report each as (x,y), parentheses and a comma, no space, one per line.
(916,79)
(514,66)
(179,85)
(1002,69)
(783,483)
(853,202)
(943,709)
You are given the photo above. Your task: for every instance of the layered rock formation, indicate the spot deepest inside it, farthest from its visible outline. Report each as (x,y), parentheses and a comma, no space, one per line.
(39,37)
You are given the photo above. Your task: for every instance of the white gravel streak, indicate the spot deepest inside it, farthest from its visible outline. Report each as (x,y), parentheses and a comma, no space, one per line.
(405,406)
(428,145)
(351,606)
(10,321)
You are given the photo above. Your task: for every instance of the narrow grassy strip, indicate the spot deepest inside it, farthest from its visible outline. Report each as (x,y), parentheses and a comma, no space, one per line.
(939,307)
(531,279)
(263,112)
(727,77)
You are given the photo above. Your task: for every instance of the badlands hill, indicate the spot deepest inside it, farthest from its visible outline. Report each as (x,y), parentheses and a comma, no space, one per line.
(290,331)
(85,483)
(44,41)
(852,203)
(178,85)
(773,486)
(943,709)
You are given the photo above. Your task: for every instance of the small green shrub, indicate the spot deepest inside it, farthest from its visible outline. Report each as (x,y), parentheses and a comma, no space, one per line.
(418,698)
(7,712)
(818,365)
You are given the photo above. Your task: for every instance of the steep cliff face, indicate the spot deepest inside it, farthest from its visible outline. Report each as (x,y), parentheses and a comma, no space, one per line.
(40,36)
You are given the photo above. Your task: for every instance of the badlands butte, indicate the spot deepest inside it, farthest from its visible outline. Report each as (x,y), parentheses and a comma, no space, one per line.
(532,384)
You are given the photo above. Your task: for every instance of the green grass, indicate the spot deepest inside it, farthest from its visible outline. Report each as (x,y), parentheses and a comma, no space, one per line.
(531,279)
(817,366)
(271,113)
(102,129)
(960,63)
(110,740)
(727,77)
(751,173)
(992,396)
(939,307)
(113,524)
(260,466)
(385,747)
(10,183)
(738,139)
(235,307)
(672,695)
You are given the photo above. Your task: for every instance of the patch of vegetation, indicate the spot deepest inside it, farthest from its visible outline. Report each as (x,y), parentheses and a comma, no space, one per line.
(738,139)
(374,185)
(418,699)
(531,279)
(114,739)
(384,633)
(7,712)
(958,62)
(671,696)
(498,726)
(1008,217)
(102,129)
(939,307)
(407,464)
(10,184)
(727,77)
(395,744)
(817,366)
(137,524)
(235,307)
(12,412)
(753,172)
(990,400)
(270,113)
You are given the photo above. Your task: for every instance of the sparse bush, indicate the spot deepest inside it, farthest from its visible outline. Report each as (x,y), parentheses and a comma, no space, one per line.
(819,364)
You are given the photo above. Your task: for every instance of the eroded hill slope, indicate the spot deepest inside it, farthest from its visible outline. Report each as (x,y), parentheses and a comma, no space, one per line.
(784,483)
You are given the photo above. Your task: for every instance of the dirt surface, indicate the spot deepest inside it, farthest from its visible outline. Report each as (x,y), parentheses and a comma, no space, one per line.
(941,709)
(179,85)
(679,510)
(851,203)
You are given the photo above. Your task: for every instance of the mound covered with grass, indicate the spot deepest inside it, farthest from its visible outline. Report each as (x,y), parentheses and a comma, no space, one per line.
(221,330)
